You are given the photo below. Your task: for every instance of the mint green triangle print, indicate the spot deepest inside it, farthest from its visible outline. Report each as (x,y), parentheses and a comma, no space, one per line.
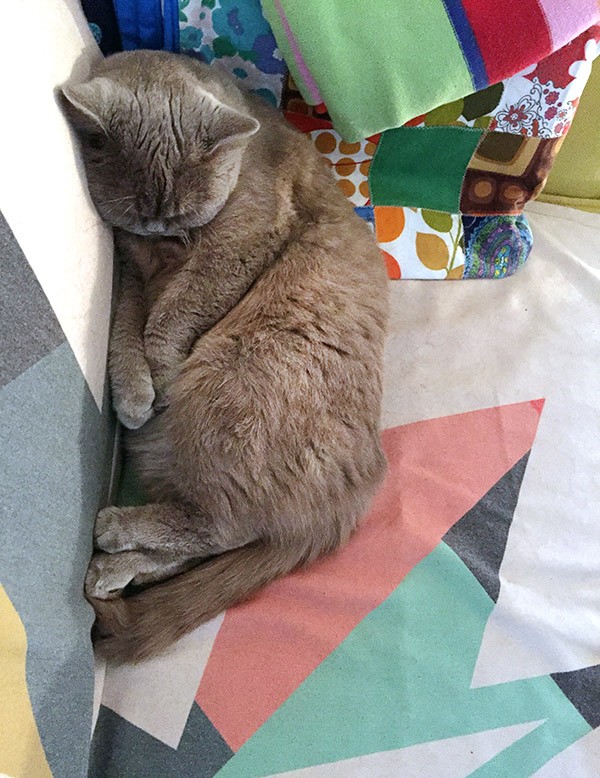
(402,678)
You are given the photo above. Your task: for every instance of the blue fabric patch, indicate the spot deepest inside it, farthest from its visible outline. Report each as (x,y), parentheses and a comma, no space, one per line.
(96,32)
(468,43)
(171,25)
(140,23)
(190,38)
(266,95)
(495,246)
(366,212)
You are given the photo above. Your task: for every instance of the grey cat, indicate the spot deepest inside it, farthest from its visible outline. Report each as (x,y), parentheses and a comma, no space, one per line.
(246,349)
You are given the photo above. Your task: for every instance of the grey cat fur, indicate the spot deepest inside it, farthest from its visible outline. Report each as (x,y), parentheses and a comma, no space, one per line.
(245,353)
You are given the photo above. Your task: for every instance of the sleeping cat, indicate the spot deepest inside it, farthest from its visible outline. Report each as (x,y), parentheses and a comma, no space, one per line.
(245,353)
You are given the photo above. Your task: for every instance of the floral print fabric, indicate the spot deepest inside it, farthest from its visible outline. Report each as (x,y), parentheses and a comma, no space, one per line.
(235,35)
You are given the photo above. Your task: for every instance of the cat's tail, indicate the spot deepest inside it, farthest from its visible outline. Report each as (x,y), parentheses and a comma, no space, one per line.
(131,629)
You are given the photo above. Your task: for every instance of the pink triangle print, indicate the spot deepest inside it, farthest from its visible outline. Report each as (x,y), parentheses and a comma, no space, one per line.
(438,469)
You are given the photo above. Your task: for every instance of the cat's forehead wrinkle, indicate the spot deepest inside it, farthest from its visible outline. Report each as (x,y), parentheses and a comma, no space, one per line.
(149,124)
(175,114)
(163,116)
(183,102)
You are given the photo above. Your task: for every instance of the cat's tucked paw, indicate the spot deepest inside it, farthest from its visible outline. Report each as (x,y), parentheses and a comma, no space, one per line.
(162,382)
(109,574)
(111,532)
(135,408)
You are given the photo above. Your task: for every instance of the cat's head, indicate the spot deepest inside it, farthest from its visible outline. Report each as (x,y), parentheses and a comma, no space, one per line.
(162,150)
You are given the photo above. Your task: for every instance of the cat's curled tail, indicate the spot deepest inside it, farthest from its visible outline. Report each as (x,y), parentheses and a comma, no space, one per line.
(146,624)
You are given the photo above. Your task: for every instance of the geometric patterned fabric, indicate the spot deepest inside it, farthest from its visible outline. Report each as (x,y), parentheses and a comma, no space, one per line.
(51,487)
(56,432)
(382,659)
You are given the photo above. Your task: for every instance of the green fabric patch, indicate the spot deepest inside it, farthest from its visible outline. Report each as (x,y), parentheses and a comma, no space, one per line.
(402,677)
(500,147)
(411,59)
(483,102)
(422,167)
(575,177)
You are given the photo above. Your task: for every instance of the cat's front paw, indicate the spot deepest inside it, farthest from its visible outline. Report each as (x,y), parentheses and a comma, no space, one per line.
(112,532)
(135,406)
(109,574)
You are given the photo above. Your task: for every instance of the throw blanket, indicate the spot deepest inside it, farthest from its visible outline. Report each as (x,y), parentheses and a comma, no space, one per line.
(378,65)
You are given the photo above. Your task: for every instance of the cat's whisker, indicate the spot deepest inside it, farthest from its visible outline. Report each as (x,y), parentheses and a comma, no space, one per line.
(194,212)
(118,199)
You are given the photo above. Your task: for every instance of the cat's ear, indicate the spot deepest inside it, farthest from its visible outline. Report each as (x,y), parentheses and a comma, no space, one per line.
(229,126)
(86,104)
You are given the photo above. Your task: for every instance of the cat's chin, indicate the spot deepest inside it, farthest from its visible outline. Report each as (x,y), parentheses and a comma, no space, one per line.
(164,231)
(156,233)
(144,233)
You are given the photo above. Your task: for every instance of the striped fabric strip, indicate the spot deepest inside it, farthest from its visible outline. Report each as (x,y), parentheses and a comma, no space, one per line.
(568,18)
(171,25)
(511,35)
(307,79)
(468,43)
(376,65)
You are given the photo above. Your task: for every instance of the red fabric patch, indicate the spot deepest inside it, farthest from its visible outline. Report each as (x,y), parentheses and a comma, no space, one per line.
(510,35)
(416,121)
(307,123)
(392,266)
(555,68)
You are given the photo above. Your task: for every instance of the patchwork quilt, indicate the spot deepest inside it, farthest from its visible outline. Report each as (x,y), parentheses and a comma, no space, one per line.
(446,192)
(442,183)
(378,65)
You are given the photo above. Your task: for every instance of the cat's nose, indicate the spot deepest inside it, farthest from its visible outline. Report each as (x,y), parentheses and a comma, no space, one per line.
(154,225)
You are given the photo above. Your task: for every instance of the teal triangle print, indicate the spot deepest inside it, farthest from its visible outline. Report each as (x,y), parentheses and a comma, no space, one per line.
(402,678)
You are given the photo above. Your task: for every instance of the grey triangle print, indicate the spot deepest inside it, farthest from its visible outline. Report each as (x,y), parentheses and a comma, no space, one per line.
(582,688)
(120,749)
(29,328)
(479,538)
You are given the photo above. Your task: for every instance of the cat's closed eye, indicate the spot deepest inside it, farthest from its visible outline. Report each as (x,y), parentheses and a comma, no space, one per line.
(96,141)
